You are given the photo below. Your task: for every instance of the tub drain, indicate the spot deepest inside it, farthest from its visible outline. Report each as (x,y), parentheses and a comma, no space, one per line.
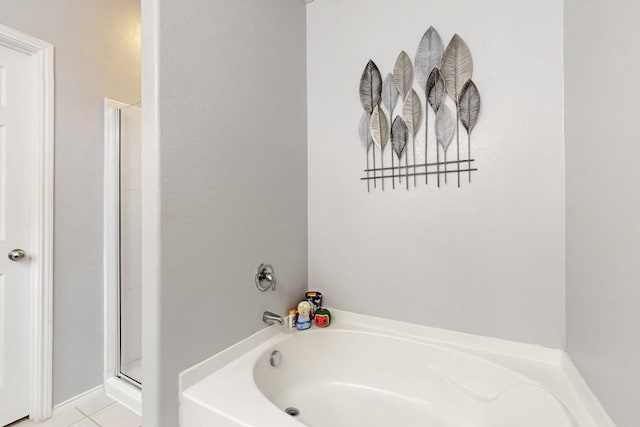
(294,412)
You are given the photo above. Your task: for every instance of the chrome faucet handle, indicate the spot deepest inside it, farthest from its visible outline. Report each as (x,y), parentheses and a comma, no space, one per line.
(265,277)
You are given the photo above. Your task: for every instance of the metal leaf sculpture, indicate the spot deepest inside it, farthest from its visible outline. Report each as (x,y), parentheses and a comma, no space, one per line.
(435,89)
(445,128)
(379,127)
(370,95)
(380,134)
(364,131)
(412,114)
(399,138)
(457,68)
(365,138)
(428,56)
(389,94)
(469,112)
(370,87)
(403,74)
(469,105)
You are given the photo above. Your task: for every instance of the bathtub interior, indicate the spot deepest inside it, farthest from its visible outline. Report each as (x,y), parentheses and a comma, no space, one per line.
(345,378)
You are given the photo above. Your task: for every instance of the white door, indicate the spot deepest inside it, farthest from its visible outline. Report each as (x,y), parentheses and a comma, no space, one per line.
(16,149)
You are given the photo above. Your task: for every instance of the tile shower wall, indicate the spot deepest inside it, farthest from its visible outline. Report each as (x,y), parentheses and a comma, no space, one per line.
(487,258)
(603,202)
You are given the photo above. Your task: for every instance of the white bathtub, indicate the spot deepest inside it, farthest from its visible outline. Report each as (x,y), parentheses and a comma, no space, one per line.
(366,371)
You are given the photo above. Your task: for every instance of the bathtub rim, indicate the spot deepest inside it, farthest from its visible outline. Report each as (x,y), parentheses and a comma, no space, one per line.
(556,358)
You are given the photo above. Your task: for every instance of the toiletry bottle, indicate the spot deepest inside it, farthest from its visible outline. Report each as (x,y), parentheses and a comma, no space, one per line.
(292,318)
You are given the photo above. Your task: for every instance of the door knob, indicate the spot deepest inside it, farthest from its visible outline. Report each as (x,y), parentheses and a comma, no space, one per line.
(16,255)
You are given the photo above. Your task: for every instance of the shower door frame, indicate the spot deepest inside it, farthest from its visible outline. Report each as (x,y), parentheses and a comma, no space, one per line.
(116,385)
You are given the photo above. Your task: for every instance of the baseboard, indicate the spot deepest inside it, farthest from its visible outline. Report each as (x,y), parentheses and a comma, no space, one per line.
(124,393)
(586,394)
(78,400)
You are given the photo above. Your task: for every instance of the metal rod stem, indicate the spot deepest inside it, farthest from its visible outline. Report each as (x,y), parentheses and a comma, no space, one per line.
(393,170)
(382,162)
(373,149)
(438,159)
(400,166)
(406,162)
(426,136)
(367,170)
(445,167)
(413,144)
(469,152)
(458,135)
(430,173)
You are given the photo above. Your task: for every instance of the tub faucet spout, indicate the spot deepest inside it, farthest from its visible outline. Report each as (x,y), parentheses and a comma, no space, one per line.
(270,318)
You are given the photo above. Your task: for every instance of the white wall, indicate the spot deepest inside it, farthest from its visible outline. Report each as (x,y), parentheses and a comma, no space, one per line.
(487,258)
(96,55)
(224,179)
(603,203)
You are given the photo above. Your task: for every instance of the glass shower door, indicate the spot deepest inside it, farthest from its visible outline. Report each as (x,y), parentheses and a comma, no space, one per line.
(130,290)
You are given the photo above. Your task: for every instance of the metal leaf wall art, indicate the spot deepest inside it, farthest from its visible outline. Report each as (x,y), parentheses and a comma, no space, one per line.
(365,137)
(469,107)
(403,74)
(412,114)
(445,129)
(435,97)
(379,134)
(390,96)
(445,78)
(370,87)
(399,138)
(457,68)
(428,58)
(370,95)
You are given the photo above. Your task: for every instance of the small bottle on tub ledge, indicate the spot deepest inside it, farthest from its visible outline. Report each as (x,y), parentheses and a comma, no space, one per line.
(292,318)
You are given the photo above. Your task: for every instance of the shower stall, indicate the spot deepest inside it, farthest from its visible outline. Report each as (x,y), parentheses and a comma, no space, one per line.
(123,237)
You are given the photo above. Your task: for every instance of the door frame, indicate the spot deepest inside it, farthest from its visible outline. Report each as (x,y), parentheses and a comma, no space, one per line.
(41,285)
(116,387)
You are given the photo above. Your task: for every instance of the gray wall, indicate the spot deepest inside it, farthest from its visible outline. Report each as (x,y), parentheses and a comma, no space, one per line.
(97,55)
(602,42)
(487,258)
(228,133)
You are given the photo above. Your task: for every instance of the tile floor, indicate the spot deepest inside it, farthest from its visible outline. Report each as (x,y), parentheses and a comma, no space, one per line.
(99,411)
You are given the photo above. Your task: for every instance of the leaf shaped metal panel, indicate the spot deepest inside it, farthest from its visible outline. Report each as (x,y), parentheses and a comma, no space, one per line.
(365,130)
(457,66)
(412,112)
(445,127)
(399,136)
(403,74)
(379,127)
(428,56)
(370,87)
(469,105)
(389,93)
(435,89)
